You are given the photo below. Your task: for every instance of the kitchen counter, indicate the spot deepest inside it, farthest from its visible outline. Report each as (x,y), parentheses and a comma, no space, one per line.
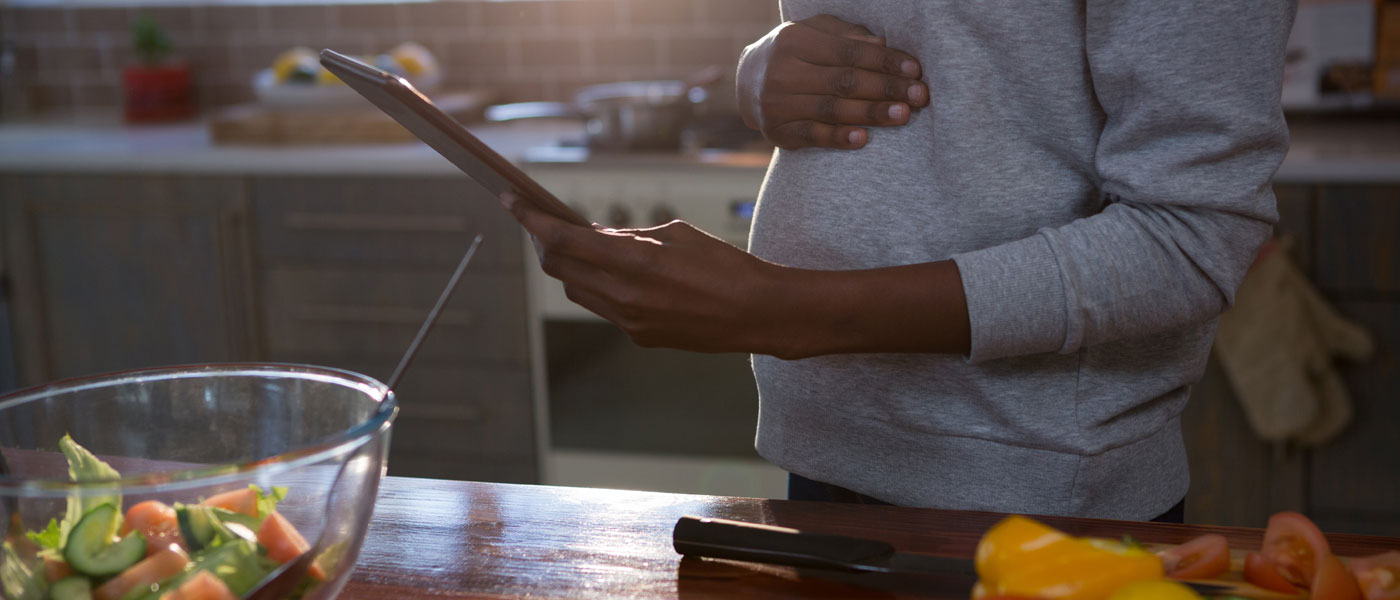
(102,144)
(482,540)
(1330,151)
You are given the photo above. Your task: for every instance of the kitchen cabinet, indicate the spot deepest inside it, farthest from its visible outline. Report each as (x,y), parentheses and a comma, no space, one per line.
(1346,245)
(348,269)
(108,272)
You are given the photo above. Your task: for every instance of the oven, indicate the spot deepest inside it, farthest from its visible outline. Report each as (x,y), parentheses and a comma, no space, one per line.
(622,416)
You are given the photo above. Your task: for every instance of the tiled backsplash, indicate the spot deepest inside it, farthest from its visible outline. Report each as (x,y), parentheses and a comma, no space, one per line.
(70,58)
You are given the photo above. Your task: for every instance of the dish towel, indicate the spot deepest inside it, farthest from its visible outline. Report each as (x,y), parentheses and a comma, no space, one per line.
(1277,347)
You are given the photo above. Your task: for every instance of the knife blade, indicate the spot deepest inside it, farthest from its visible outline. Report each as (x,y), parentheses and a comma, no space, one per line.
(736,540)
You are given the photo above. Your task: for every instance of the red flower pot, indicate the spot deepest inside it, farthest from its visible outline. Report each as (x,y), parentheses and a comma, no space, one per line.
(158,93)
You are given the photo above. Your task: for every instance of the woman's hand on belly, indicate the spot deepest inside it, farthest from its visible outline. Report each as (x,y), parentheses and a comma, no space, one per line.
(819,81)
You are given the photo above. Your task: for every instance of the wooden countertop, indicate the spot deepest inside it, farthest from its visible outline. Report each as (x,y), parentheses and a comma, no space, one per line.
(485,540)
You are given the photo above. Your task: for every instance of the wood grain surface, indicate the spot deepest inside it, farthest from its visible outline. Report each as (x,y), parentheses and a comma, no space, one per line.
(483,540)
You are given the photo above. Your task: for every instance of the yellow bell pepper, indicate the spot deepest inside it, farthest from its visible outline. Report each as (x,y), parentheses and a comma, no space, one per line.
(1022,557)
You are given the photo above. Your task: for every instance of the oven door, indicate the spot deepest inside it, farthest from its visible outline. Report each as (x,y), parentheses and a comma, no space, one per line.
(622,416)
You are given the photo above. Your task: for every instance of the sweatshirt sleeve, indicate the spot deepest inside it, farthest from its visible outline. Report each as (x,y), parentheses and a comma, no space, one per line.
(1193,133)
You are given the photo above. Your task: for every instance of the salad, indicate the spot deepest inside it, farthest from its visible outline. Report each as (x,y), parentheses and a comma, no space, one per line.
(216,549)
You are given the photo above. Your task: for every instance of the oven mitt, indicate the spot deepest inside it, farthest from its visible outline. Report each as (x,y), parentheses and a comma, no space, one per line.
(1277,345)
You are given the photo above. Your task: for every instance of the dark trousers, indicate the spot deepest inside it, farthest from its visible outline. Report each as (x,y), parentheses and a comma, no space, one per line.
(801,488)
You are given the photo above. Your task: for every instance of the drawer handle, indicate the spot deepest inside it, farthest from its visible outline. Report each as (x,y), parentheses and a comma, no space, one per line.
(390,315)
(376,222)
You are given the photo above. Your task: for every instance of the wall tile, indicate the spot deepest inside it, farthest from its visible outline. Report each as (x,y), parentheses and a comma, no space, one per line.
(533,49)
(458,16)
(231,18)
(69,58)
(172,18)
(208,58)
(512,14)
(312,19)
(41,20)
(380,17)
(628,50)
(699,49)
(351,42)
(92,20)
(460,55)
(524,91)
(595,14)
(551,53)
(643,13)
(739,11)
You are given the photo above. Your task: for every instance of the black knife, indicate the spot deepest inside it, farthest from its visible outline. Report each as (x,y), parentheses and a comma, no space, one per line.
(736,540)
(722,538)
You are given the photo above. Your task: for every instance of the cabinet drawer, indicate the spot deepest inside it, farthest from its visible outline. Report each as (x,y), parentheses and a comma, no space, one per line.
(379,220)
(374,313)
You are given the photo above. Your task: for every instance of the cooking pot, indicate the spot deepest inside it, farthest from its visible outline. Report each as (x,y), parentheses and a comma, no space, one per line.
(626,116)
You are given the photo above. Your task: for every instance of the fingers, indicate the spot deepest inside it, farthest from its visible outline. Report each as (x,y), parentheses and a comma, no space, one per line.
(553,235)
(842,111)
(852,83)
(801,134)
(863,51)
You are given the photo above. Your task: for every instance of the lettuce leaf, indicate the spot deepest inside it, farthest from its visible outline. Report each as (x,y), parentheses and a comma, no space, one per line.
(267,501)
(85,466)
(50,538)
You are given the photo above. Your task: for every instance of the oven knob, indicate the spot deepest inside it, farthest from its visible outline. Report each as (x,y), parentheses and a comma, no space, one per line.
(662,214)
(619,216)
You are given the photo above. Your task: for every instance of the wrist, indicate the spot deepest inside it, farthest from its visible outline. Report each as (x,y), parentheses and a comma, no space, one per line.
(914,308)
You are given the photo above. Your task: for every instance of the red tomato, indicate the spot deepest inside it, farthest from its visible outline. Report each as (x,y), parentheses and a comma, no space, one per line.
(203,586)
(1378,576)
(156,521)
(1295,545)
(1201,558)
(1264,573)
(162,565)
(284,542)
(243,501)
(56,569)
(1333,581)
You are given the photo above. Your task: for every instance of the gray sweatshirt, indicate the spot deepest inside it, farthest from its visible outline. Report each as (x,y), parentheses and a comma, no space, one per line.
(1099,171)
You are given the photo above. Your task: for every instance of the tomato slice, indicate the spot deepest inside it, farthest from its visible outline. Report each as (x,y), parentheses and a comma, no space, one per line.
(1296,546)
(1264,573)
(1378,576)
(1201,558)
(156,520)
(1333,581)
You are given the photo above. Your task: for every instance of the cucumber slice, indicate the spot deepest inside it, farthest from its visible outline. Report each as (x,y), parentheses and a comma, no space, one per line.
(73,587)
(90,549)
(196,527)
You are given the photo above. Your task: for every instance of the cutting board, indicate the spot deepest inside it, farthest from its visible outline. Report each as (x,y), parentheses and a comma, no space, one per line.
(259,124)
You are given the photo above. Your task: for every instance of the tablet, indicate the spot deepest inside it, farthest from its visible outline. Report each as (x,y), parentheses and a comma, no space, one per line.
(415,112)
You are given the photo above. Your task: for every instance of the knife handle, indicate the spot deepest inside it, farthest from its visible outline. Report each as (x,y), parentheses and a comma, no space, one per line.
(722,538)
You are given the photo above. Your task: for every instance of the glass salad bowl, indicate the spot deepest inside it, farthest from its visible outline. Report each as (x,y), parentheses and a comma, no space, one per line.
(199,481)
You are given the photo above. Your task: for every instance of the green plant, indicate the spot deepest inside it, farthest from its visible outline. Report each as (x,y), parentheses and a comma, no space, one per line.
(149,41)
